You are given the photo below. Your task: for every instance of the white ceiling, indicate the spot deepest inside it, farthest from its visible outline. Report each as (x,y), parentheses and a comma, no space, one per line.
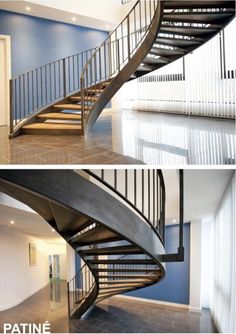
(28,223)
(98,14)
(203,190)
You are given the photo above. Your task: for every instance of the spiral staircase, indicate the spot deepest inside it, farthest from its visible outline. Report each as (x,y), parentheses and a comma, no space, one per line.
(120,242)
(65,97)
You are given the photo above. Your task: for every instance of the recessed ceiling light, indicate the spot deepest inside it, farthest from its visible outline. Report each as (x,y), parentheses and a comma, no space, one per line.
(107,26)
(73,19)
(174,220)
(52,230)
(28,8)
(12,222)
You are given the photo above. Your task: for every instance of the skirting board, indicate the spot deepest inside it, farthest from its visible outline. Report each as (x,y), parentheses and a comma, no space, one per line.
(161,303)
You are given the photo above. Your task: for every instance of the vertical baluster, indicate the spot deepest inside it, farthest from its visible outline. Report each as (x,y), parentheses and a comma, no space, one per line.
(135,187)
(41,84)
(104,61)
(82,285)
(122,39)
(46,85)
(12,97)
(24,95)
(78,71)
(149,190)
(126,183)
(20,97)
(145,13)
(50,80)
(28,93)
(135,27)
(55,80)
(115,178)
(157,199)
(14,117)
(102,174)
(100,66)
(32,77)
(142,190)
(73,63)
(128,37)
(64,77)
(154,204)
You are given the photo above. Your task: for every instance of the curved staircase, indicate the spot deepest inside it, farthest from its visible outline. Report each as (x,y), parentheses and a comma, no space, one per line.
(154,34)
(120,242)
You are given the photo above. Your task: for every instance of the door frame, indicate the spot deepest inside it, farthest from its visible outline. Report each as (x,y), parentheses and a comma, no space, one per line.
(7,43)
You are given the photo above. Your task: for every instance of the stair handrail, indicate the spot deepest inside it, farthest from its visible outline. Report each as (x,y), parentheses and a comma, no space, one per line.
(160,232)
(37,89)
(77,295)
(112,59)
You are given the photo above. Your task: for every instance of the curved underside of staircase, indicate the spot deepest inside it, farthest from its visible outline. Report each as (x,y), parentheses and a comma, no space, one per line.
(95,224)
(174,29)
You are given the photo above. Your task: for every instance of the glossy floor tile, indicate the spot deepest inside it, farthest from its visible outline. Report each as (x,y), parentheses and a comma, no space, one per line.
(129,137)
(114,315)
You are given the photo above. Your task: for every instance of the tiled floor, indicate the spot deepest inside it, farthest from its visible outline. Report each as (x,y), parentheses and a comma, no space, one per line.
(127,137)
(115,315)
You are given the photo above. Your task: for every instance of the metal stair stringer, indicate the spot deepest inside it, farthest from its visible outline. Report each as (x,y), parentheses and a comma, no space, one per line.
(108,220)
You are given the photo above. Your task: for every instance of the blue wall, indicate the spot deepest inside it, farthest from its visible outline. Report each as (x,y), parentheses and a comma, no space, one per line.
(175,286)
(36,41)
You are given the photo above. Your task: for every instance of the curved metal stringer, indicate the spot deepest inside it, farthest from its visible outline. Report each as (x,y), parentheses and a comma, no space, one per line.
(121,252)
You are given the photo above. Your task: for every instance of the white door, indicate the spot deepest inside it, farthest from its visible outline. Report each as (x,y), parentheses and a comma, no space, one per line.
(4,79)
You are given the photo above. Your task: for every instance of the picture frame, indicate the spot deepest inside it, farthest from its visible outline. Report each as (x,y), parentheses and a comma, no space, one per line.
(32,254)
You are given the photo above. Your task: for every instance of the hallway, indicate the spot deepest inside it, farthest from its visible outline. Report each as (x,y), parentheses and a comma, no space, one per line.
(113,315)
(129,137)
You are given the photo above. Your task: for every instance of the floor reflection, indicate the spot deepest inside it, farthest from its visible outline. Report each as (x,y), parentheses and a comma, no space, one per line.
(173,140)
(113,315)
(128,137)
(55,293)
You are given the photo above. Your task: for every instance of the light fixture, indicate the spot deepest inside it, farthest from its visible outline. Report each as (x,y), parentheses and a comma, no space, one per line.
(174,220)
(73,19)
(12,222)
(52,230)
(28,8)
(107,26)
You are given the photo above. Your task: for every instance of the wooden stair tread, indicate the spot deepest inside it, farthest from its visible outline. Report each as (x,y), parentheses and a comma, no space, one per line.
(130,249)
(122,270)
(114,282)
(95,235)
(87,98)
(51,126)
(68,106)
(134,277)
(121,286)
(123,261)
(61,116)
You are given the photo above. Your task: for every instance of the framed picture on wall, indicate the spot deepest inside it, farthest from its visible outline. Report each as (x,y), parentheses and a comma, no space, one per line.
(32,254)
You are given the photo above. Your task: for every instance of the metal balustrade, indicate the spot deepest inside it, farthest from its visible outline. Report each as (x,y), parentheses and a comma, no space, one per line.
(143,190)
(35,90)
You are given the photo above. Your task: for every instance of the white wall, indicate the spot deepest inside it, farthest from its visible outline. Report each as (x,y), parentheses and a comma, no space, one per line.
(70,262)
(223,305)
(195,265)
(19,280)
